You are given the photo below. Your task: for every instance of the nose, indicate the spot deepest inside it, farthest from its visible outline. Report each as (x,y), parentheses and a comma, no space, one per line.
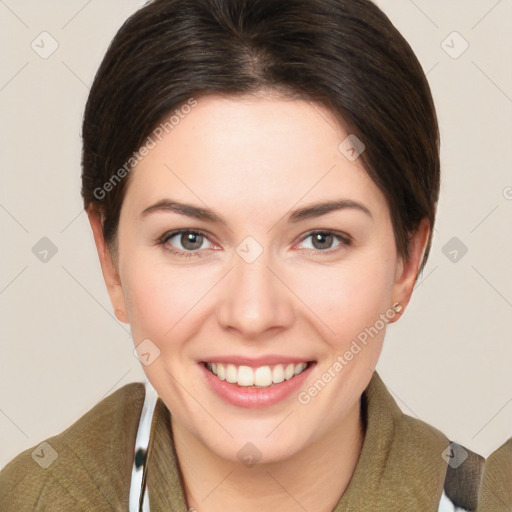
(255,299)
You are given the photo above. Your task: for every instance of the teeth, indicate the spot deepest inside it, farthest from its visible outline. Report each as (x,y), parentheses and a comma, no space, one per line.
(289,372)
(263,376)
(278,374)
(220,371)
(246,376)
(231,373)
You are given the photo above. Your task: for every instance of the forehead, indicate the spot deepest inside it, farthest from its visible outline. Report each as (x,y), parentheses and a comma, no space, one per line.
(251,151)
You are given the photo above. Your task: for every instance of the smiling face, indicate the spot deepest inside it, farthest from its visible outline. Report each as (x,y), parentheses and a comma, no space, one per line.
(257,277)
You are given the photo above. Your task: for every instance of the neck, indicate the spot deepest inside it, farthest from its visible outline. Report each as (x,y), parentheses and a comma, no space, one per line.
(313,479)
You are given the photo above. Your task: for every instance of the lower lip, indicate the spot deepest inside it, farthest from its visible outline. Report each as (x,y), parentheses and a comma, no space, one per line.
(254,398)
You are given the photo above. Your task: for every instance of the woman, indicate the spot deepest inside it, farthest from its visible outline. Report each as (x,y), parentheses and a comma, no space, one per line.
(261,179)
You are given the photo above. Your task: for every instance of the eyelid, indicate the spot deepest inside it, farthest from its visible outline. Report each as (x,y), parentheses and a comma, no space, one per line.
(344,238)
(171,234)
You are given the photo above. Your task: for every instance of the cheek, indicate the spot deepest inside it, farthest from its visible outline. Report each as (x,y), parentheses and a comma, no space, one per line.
(159,299)
(350,297)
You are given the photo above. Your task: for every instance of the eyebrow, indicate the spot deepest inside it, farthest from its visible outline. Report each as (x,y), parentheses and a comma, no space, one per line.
(298,215)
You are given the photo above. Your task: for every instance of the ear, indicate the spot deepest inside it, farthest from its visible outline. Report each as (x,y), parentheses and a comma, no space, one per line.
(108,267)
(406,271)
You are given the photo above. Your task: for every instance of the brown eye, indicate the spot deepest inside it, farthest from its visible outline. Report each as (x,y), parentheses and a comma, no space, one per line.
(184,242)
(191,241)
(322,241)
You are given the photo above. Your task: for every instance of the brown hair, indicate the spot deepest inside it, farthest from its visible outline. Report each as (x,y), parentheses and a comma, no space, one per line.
(343,54)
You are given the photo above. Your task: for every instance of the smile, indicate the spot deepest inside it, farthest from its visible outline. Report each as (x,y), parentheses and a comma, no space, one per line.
(259,377)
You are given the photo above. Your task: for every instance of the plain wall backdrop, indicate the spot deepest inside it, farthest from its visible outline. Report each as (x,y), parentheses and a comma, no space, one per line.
(448,359)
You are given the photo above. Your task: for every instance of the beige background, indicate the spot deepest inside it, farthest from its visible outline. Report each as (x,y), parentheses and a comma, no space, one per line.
(447,361)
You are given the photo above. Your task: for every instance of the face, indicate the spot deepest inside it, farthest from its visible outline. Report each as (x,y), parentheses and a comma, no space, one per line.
(250,276)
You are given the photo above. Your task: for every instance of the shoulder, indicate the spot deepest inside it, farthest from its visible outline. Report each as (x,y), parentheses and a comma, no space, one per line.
(407,432)
(87,466)
(447,468)
(462,468)
(497,480)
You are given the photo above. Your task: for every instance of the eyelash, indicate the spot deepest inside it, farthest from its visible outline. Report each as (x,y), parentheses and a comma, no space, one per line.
(345,240)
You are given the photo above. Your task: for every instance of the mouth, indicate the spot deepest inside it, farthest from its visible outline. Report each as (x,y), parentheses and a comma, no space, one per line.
(259,377)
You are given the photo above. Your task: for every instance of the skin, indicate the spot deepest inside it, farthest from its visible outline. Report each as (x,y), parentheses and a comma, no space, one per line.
(252,160)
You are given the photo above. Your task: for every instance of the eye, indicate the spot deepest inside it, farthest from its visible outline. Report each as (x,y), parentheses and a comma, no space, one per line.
(191,242)
(322,241)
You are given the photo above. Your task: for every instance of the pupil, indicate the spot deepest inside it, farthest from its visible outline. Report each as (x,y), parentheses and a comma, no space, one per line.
(193,241)
(187,239)
(324,236)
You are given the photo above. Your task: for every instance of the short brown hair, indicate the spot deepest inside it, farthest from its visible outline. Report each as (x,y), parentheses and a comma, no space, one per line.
(343,54)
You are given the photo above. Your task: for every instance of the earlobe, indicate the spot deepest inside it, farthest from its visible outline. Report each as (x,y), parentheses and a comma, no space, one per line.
(405,277)
(108,268)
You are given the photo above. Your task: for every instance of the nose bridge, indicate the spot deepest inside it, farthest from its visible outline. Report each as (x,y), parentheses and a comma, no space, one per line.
(254,299)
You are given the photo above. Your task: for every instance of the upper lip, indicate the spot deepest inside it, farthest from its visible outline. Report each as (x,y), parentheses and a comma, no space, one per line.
(256,361)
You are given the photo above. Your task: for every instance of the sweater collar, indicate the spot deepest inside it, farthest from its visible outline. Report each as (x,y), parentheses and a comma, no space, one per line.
(400,460)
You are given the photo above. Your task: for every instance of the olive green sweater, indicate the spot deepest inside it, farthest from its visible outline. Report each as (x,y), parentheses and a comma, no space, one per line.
(88,466)
(496,491)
